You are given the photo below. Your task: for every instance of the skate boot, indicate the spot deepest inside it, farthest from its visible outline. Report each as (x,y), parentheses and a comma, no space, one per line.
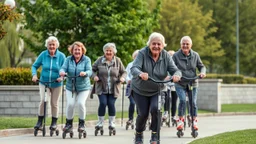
(99,126)
(165,116)
(81,129)
(194,132)
(154,138)
(112,129)
(68,129)
(38,125)
(129,123)
(39,122)
(174,121)
(180,127)
(189,120)
(53,126)
(138,138)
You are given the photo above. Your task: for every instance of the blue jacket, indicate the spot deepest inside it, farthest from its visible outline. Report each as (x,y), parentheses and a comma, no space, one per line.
(72,69)
(50,67)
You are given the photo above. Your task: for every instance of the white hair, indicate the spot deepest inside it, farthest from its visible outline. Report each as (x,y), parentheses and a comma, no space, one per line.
(186,38)
(135,53)
(156,35)
(110,45)
(52,38)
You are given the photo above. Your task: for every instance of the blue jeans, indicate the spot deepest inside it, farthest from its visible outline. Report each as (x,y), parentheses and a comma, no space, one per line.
(182,92)
(107,100)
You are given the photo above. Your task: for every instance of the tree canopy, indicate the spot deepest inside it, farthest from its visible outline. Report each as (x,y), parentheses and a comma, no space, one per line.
(127,23)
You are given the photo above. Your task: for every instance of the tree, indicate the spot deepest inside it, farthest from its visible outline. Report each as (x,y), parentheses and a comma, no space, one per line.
(6,14)
(127,23)
(180,18)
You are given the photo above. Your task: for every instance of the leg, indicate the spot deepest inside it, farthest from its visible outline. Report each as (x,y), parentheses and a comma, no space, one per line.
(131,107)
(181,92)
(174,103)
(55,94)
(81,101)
(111,109)
(101,110)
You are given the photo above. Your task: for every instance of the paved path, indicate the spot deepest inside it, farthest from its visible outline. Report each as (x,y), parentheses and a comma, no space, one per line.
(207,126)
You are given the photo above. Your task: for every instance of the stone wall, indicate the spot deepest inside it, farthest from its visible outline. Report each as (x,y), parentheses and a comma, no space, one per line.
(24,100)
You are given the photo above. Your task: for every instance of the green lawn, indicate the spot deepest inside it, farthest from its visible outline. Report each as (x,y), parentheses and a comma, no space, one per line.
(236,137)
(238,108)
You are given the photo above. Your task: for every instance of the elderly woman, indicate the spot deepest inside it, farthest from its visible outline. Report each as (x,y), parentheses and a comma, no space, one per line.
(76,65)
(51,61)
(152,61)
(187,61)
(108,74)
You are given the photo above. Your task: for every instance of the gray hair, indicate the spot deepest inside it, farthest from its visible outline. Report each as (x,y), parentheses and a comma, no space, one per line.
(156,35)
(186,38)
(52,38)
(135,53)
(110,45)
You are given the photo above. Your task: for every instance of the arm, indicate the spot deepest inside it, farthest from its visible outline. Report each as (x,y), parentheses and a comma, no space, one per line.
(137,65)
(88,67)
(201,67)
(128,70)
(64,68)
(122,71)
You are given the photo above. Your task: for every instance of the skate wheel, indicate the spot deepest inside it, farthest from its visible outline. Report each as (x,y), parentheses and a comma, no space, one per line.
(114,132)
(182,134)
(35,132)
(71,134)
(84,134)
(110,133)
(63,135)
(194,134)
(57,132)
(179,134)
(132,126)
(44,131)
(51,133)
(126,127)
(102,132)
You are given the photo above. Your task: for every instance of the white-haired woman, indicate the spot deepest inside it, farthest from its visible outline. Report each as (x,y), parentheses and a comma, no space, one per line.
(108,74)
(51,61)
(152,61)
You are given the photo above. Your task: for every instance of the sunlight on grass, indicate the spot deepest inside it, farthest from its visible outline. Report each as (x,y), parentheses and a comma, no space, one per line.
(236,137)
(238,108)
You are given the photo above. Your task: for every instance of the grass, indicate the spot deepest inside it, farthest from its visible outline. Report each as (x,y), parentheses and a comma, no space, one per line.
(236,137)
(238,108)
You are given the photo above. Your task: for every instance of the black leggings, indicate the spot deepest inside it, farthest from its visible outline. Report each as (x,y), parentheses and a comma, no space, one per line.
(173,102)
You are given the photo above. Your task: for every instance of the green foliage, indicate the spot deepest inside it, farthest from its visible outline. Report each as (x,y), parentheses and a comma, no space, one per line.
(127,23)
(235,137)
(180,18)
(16,76)
(227,78)
(238,108)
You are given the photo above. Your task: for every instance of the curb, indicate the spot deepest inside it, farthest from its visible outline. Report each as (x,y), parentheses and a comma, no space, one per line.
(22,131)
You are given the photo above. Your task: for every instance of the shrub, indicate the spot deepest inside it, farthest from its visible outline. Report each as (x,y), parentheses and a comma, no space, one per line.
(16,76)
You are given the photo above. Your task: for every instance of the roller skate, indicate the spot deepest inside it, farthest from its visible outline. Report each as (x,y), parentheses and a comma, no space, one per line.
(138,138)
(112,129)
(129,123)
(180,127)
(68,129)
(53,127)
(154,138)
(165,119)
(194,128)
(174,121)
(38,126)
(99,126)
(81,129)
(149,123)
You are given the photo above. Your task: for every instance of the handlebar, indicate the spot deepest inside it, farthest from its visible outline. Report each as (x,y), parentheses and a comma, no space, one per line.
(183,78)
(72,76)
(156,81)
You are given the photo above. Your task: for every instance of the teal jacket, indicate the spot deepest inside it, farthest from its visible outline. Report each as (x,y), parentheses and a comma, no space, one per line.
(73,69)
(50,67)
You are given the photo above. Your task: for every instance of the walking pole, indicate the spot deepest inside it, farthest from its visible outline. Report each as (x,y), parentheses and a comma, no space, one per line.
(122,107)
(159,115)
(62,111)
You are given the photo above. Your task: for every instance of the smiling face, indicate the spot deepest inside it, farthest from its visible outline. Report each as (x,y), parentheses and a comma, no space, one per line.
(109,53)
(156,46)
(186,46)
(77,51)
(52,47)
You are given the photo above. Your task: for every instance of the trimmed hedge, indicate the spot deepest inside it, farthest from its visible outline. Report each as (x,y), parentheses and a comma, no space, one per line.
(22,76)
(16,76)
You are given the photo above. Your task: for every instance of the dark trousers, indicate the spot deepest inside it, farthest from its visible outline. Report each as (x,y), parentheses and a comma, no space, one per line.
(173,102)
(146,104)
(107,100)
(131,107)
